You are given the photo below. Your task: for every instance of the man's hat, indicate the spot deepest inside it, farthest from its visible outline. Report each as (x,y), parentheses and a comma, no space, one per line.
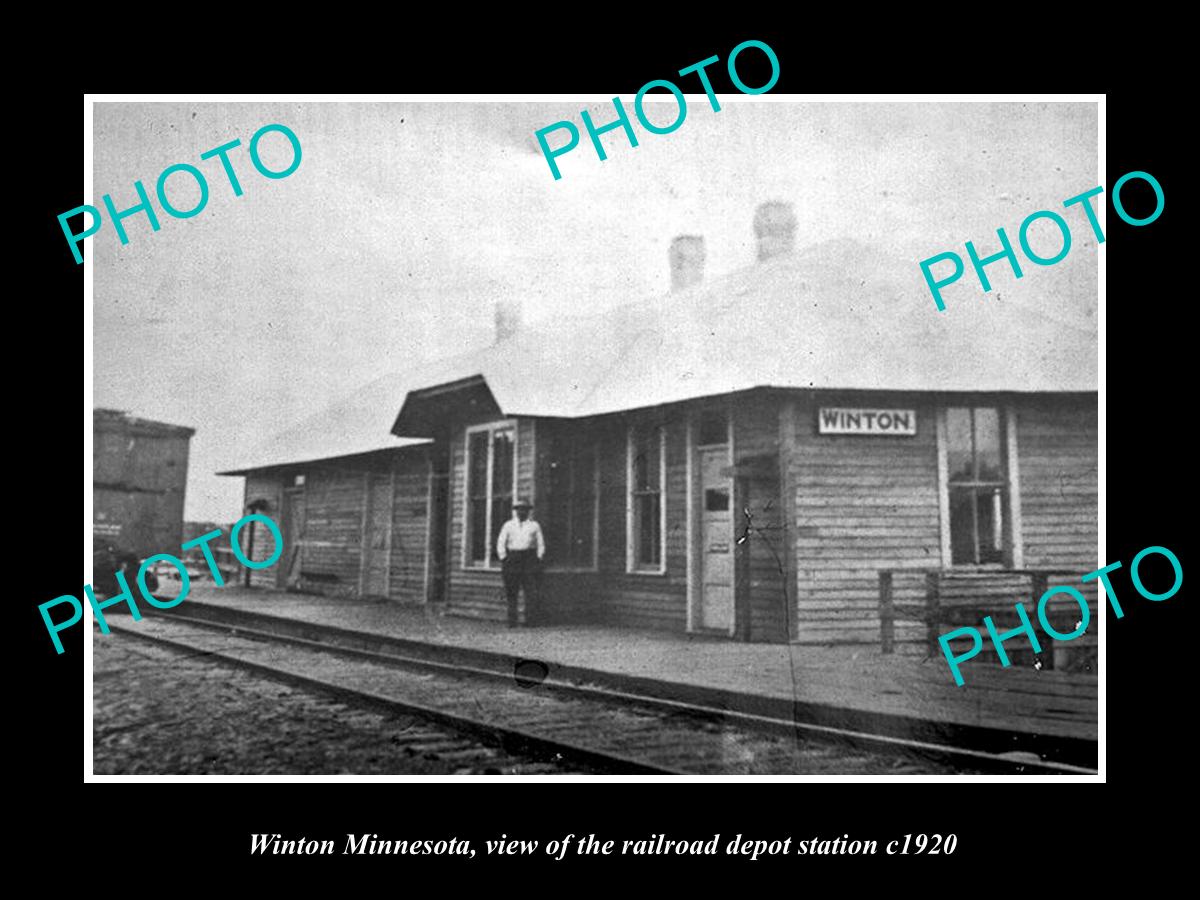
(522,503)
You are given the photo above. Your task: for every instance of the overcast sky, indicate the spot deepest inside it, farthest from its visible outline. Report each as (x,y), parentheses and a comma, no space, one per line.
(405,223)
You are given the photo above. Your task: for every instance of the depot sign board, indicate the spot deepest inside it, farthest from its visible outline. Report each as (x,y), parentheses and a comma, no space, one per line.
(841,420)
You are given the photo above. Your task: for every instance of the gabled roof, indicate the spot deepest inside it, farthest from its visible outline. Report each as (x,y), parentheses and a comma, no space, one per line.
(833,316)
(354,425)
(836,315)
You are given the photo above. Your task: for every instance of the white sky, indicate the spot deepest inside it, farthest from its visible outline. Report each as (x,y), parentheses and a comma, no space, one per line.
(406,222)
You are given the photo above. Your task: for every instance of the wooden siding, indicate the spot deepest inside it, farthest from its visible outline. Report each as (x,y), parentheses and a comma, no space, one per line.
(1057,451)
(862,504)
(410,511)
(331,545)
(641,600)
(868,503)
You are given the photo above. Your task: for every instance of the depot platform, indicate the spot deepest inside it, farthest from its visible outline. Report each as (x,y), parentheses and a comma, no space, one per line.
(1051,713)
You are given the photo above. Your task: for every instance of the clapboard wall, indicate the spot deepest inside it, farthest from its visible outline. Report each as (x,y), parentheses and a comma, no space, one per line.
(410,523)
(868,503)
(1057,452)
(863,503)
(1057,449)
(331,545)
(640,599)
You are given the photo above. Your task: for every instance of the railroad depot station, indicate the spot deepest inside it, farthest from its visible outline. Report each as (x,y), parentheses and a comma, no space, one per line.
(829,476)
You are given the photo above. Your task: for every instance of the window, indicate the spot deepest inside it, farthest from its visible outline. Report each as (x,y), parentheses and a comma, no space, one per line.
(716,500)
(569,505)
(714,429)
(490,486)
(646,510)
(977,485)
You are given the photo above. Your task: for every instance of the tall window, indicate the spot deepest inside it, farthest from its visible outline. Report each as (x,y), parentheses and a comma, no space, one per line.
(646,464)
(569,507)
(978,485)
(490,470)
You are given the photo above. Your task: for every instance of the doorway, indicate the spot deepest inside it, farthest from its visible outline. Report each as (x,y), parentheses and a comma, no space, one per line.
(437,557)
(377,535)
(716,532)
(293,531)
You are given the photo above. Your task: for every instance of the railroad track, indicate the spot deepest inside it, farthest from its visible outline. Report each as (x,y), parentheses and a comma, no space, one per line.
(338,737)
(594,727)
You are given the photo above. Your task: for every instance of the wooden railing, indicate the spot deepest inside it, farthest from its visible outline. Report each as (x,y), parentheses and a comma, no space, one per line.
(938,616)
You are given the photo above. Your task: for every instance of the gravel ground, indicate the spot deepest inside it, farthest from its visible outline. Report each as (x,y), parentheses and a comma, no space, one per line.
(676,742)
(162,712)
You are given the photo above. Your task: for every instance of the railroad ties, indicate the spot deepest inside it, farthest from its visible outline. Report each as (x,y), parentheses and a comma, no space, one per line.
(540,727)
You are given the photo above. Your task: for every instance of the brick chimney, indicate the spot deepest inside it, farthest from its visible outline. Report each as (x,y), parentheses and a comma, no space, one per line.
(775,228)
(508,319)
(686,256)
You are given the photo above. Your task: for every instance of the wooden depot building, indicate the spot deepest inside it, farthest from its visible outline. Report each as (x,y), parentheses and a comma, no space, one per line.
(743,456)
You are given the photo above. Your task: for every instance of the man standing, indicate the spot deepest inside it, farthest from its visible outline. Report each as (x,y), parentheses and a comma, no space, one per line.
(521,547)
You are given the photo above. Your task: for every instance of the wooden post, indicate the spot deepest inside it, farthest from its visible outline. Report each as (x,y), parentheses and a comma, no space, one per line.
(887,612)
(250,549)
(1038,583)
(741,560)
(933,608)
(362,534)
(787,517)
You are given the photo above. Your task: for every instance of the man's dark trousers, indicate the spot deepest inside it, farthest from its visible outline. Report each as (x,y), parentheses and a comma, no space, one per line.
(521,568)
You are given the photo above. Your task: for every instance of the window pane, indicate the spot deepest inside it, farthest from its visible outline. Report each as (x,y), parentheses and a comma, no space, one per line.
(988,507)
(502,464)
(477,452)
(987,445)
(648,531)
(958,444)
(713,429)
(716,500)
(477,465)
(477,516)
(641,467)
(656,459)
(962,526)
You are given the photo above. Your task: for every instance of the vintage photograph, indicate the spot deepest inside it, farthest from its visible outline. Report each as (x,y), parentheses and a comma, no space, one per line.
(671,465)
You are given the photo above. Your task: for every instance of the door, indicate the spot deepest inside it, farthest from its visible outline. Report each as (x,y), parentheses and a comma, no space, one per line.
(439,534)
(377,535)
(293,535)
(716,540)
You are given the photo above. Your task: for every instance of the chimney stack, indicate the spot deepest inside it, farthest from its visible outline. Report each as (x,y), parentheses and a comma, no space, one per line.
(775,228)
(687,261)
(508,319)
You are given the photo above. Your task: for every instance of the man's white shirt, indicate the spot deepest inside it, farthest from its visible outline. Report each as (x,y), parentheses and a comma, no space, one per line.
(518,535)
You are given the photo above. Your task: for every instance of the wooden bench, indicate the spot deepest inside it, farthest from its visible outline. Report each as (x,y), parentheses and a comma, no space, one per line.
(962,599)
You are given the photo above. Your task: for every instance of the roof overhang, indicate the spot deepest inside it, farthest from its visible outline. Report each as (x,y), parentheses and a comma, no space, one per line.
(410,446)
